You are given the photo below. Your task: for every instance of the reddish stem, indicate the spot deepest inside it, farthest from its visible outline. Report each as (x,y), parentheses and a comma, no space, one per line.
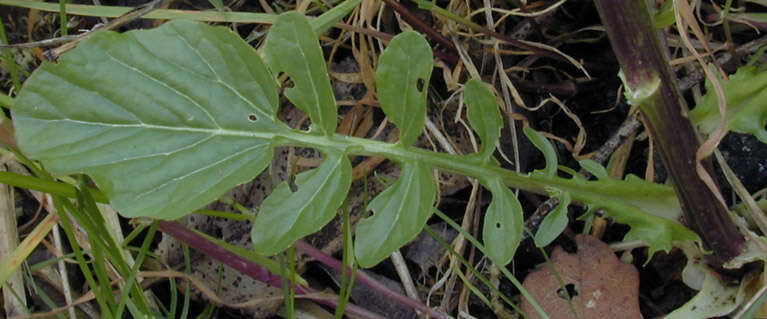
(250,268)
(364,279)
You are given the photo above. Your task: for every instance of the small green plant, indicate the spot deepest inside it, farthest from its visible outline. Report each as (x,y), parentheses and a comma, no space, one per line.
(167,120)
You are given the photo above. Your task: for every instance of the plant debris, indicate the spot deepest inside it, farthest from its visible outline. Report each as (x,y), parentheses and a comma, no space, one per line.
(599,285)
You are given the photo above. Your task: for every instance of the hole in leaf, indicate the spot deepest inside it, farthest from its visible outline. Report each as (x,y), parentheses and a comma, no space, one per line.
(568,290)
(252,117)
(419,85)
(286,82)
(292,183)
(498,225)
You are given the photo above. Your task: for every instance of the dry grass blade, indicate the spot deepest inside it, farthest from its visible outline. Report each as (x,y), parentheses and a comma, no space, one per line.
(14,292)
(682,9)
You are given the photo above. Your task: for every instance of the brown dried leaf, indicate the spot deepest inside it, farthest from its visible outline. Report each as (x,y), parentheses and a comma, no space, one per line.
(603,286)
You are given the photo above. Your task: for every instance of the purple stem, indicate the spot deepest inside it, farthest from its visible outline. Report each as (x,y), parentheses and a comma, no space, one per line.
(420,25)
(643,58)
(250,268)
(363,278)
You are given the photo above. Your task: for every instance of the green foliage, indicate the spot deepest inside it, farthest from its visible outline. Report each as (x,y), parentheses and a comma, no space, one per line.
(664,16)
(542,144)
(322,23)
(648,208)
(285,216)
(291,47)
(167,120)
(402,80)
(136,107)
(554,223)
(218,4)
(632,196)
(746,91)
(399,214)
(484,115)
(504,219)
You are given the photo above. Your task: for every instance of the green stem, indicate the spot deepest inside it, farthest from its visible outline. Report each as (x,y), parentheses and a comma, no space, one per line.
(63,17)
(592,192)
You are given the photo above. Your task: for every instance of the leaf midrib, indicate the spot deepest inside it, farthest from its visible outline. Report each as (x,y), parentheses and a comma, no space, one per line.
(310,78)
(211,131)
(200,169)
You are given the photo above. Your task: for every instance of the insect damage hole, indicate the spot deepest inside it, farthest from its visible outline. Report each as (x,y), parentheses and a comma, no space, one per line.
(252,117)
(419,84)
(568,291)
(292,183)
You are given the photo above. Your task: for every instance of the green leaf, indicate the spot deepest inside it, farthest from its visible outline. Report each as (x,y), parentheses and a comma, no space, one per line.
(594,168)
(664,17)
(164,120)
(400,212)
(543,145)
(484,115)
(285,216)
(759,17)
(291,47)
(504,219)
(321,24)
(746,92)
(554,223)
(402,80)
(651,210)
(656,199)
(218,4)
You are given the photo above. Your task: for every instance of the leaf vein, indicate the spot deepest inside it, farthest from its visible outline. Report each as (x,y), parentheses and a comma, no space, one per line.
(174,90)
(168,153)
(224,84)
(205,167)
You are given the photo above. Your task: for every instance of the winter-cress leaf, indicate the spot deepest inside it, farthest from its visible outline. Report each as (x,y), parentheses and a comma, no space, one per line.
(656,199)
(402,81)
(542,144)
(164,120)
(484,115)
(504,219)
(292,47)
(651,210)
(746,91)
(595,169)
(554,223)
(285,216)
(399,214)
